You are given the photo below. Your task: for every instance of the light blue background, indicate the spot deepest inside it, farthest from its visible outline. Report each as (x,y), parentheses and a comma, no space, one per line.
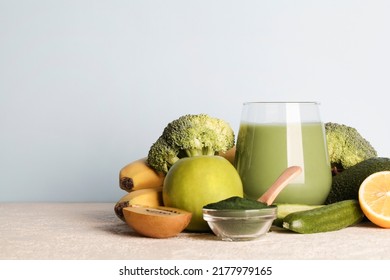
(88,86)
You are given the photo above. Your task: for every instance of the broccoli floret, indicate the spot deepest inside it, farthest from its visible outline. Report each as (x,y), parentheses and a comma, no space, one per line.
(162,156)
(346,146)
(188,136)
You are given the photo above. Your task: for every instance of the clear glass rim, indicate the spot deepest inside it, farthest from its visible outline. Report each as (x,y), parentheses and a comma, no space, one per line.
(282,102)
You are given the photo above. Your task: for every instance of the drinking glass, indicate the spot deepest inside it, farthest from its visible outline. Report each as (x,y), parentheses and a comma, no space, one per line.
(275,135)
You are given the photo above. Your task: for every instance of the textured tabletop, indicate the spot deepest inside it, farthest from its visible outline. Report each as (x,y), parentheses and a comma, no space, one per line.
(80,231)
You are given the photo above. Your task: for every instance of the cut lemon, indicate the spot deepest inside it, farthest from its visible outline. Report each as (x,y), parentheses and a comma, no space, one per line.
(374,198)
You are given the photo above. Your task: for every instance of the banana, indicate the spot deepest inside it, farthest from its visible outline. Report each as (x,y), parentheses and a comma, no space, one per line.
(151,197)
(138,175)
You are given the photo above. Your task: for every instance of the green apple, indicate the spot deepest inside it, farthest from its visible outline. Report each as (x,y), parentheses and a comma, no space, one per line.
(194,182)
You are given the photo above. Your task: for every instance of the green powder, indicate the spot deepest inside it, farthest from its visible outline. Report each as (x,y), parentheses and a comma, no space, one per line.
(236,203)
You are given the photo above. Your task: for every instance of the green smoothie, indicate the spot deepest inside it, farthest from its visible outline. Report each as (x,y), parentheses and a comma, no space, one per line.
(265,151)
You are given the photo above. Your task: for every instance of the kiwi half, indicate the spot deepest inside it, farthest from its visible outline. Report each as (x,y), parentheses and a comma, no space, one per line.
(157,222)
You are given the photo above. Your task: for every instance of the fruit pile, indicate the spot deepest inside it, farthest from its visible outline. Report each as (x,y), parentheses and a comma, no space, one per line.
(142,207)
(191,165)
(182,172)
(177,197)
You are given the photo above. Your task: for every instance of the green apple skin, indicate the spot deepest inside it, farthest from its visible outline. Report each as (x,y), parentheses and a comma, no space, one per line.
(194,182)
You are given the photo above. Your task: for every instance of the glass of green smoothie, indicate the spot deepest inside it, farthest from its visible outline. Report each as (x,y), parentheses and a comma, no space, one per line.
(276,135)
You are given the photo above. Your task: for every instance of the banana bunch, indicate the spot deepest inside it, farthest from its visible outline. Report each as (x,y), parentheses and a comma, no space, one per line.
(142,184)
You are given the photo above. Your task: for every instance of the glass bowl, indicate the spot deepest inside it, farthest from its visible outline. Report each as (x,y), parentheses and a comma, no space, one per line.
(240,225)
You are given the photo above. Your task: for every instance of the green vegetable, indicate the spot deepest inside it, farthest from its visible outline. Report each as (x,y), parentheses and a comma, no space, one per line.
(346,146)
(188,136)
(286,208)
(236,203)
(345,185)
(330,217)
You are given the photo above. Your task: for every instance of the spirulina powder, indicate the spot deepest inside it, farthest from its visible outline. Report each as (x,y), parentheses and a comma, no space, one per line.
(236,203)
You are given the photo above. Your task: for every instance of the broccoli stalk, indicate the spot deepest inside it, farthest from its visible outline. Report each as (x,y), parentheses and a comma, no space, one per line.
(346,146)
(189,136)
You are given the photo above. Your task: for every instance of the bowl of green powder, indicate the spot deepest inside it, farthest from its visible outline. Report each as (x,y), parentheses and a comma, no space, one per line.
(239,219)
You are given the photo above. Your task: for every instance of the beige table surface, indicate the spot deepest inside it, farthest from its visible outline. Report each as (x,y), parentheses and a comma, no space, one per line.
(91,231)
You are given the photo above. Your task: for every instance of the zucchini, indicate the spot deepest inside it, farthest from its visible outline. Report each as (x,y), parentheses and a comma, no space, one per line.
(330,217)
